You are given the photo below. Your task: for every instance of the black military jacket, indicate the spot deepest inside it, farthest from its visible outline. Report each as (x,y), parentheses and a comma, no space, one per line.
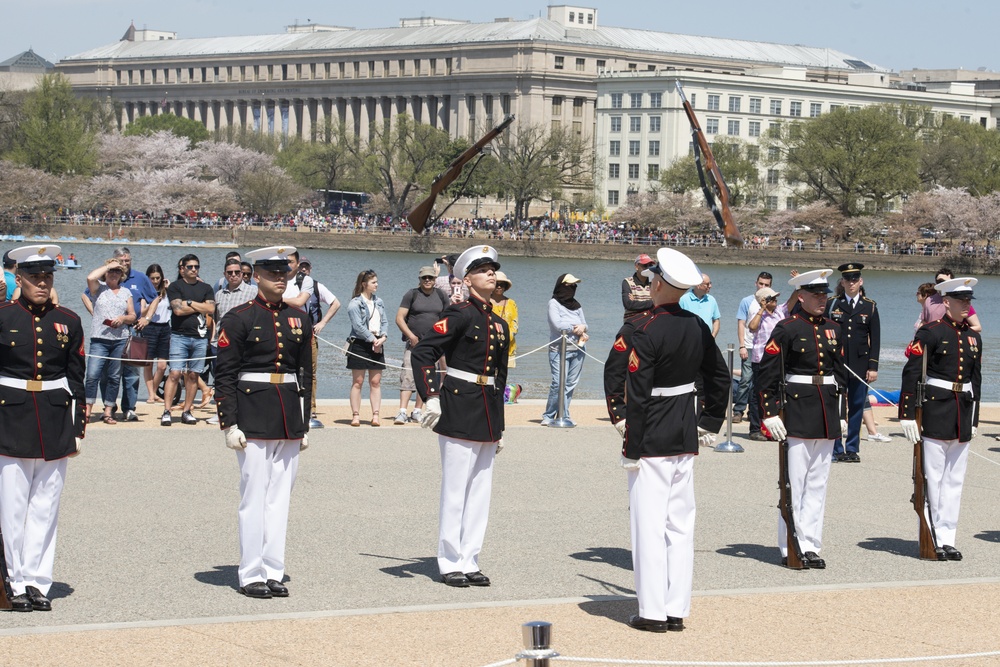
(474,340)
(40,343)
(263,337)
(860,332)
(670,349)
(954,354)
(616,366)
(809,345)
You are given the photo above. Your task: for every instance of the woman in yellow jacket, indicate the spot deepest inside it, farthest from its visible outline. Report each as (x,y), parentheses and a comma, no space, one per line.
(507,309)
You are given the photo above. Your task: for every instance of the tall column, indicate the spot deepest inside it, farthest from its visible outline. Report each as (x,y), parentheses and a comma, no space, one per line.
(446,111)
(320,118)
(293,117)
(480,116)
(209,118)
(421,103)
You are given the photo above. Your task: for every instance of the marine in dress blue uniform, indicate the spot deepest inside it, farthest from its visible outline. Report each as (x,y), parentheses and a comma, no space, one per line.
(42,420)
(669,349)
(465,409)
(954,354)
(616,369)
(263,386)
(861,336)
(808,349)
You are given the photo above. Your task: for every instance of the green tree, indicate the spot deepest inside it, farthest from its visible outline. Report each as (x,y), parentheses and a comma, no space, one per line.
(961,155)
(55,134)
(187,128)
(852,159)
(539,163)
(328,163)
(738,162)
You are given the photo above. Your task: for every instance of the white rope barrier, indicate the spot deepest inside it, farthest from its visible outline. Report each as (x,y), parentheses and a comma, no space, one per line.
(783,663)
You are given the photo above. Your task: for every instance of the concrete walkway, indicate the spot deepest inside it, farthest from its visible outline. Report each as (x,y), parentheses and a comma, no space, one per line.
(147,554)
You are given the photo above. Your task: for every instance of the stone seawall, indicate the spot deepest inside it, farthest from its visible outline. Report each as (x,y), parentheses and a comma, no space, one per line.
(438,245)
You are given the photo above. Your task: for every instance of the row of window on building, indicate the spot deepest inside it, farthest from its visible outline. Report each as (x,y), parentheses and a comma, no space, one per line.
(288,72)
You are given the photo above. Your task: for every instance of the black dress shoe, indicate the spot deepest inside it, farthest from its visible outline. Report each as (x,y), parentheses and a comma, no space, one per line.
(939,553)
(675,624)
(41,603)
(951,553)
(257,589)
(278,589)
(477,578)
(812,561)
(853,457)
(20,603)
(757,436)
(640,623)
(456,579)
(837,458)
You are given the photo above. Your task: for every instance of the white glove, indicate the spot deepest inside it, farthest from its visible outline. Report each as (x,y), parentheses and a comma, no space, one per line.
(705,437)
(304,445)
(843,428)
(432,412)
(974,430)
(910,430)
(235,438)
(776,427)
(621,425)
(630,464)
(79,447)
(499,445)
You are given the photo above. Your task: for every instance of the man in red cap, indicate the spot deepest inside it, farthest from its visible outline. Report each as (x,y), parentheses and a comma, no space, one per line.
(635,288)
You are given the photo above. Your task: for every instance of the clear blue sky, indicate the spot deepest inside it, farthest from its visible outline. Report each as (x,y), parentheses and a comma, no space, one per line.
(899,34)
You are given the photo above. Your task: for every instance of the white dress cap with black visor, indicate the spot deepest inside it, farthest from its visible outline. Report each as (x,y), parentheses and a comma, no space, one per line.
(475,257)
(813,281)
(675,268)
(957,288)
(35,258)
(272,258)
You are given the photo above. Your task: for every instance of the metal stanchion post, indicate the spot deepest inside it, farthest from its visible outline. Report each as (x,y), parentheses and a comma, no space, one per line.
(537,636)
(729,445)
(561,421)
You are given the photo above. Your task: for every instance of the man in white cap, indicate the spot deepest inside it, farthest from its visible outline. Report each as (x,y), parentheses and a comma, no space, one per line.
(669,350)
(42,419)
(465,409)
(263,386)
(803,360)
(950,411)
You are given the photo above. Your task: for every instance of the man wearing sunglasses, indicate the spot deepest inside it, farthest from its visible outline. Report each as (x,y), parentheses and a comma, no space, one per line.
(191,301)
(861,335)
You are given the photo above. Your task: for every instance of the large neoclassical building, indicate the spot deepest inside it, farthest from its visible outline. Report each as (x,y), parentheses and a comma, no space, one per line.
(458,76)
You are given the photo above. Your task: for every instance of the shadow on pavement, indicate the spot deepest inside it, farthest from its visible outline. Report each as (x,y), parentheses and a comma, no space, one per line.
(220,575)
(610,555)
(891,545)
(409,568)
(612,589)
(60,590)
(615,610)
(988,536)
(757,552)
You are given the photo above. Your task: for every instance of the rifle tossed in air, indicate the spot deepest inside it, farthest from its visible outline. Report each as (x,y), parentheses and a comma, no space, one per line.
(712,184)
(418,217)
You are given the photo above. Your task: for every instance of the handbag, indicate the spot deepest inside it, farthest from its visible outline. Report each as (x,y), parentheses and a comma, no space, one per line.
(136,351)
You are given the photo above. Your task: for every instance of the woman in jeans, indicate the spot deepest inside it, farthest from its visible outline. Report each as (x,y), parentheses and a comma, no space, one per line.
(565,314)
(158,333)
(114,313)
(364,352)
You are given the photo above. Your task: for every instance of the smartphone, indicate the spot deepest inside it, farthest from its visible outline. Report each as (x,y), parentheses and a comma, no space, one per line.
(109,323)
(456,291)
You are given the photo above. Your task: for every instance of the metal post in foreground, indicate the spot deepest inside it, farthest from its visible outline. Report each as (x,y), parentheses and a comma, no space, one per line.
(561,421)
(729,446)
(537,636)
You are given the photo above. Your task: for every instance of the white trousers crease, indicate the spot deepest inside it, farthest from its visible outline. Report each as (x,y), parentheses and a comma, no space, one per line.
(267,475)
(662,508)
(466,487)
(29,515)
(808,473)
(944,466)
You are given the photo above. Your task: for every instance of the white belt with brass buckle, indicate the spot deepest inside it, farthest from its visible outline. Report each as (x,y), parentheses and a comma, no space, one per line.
(950,386)
(811,379)
(35,385)
(483,380)
(270,378)
(673,391)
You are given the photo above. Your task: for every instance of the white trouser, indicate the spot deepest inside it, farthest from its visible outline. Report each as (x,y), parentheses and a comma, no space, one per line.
(466,486)
(808,472)
(944,466)
(267,475)
(29,516)
(661,498)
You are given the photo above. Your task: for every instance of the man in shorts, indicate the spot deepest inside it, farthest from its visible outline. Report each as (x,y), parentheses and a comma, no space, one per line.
(191,302)
(418,311)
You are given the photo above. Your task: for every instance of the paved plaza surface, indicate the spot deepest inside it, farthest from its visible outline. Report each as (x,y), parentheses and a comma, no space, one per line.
(147,555)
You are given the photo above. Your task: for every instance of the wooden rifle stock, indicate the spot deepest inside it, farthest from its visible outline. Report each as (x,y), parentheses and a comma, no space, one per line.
(927,539)
(716,191)
(422,211)
(795,561)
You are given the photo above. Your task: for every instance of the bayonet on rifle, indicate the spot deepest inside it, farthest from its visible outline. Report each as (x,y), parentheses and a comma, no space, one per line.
(712,183)
(422,211)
